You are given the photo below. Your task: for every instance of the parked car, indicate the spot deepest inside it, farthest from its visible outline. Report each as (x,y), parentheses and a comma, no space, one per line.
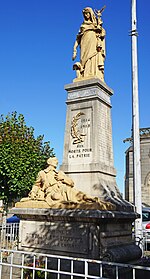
(13,219)
(11,229)
(146,224)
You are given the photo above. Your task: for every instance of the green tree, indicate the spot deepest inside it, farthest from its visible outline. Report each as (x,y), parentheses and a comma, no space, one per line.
(21,157)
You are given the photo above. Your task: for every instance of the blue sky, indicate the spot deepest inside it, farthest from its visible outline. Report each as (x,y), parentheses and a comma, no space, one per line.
(36,41)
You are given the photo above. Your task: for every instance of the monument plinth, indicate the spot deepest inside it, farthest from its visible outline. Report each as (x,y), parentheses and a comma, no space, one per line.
(90,234)
(88,149)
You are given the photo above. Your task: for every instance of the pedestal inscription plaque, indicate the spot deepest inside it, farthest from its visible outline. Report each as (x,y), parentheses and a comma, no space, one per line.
(54,236)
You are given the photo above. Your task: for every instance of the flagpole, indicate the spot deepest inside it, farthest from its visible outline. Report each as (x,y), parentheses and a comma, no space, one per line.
(136,135)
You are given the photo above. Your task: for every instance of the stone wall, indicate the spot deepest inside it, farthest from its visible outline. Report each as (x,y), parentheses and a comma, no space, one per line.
(145,169)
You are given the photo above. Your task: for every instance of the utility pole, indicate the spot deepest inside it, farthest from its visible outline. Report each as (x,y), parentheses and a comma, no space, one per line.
(136,135)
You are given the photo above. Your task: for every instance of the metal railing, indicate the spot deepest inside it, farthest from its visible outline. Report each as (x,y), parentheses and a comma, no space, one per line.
(9,235)
(16,264)
(144,241)
(27,265)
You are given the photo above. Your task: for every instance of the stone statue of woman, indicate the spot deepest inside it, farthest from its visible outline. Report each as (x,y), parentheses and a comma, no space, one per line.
(91,39)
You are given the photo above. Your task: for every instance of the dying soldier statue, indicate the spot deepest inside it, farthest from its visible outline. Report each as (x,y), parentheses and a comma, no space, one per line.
(54,189)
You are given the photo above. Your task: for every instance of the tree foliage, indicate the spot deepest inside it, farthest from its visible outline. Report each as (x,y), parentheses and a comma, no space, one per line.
(21,157)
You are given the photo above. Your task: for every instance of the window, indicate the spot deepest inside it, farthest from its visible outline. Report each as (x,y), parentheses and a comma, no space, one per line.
(146,216)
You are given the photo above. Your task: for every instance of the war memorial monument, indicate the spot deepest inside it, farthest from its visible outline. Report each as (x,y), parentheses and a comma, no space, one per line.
(78,210)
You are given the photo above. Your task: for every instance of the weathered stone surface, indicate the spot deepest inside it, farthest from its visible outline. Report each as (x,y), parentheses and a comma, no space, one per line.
(91,234)
(88,149)
(100,205)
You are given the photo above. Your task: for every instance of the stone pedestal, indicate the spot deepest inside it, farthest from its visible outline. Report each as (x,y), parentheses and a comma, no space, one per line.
(88,150)
(90,234)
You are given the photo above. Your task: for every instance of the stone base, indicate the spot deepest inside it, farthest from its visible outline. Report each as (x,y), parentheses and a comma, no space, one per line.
(66,205)
(31,204)
(90,234)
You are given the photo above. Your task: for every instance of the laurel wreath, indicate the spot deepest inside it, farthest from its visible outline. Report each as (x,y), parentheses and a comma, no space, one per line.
(76,134)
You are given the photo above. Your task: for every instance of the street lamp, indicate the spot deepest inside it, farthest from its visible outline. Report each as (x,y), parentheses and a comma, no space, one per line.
(135,127)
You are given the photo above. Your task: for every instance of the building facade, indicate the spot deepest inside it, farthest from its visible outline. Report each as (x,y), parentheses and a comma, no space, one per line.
(145,168)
